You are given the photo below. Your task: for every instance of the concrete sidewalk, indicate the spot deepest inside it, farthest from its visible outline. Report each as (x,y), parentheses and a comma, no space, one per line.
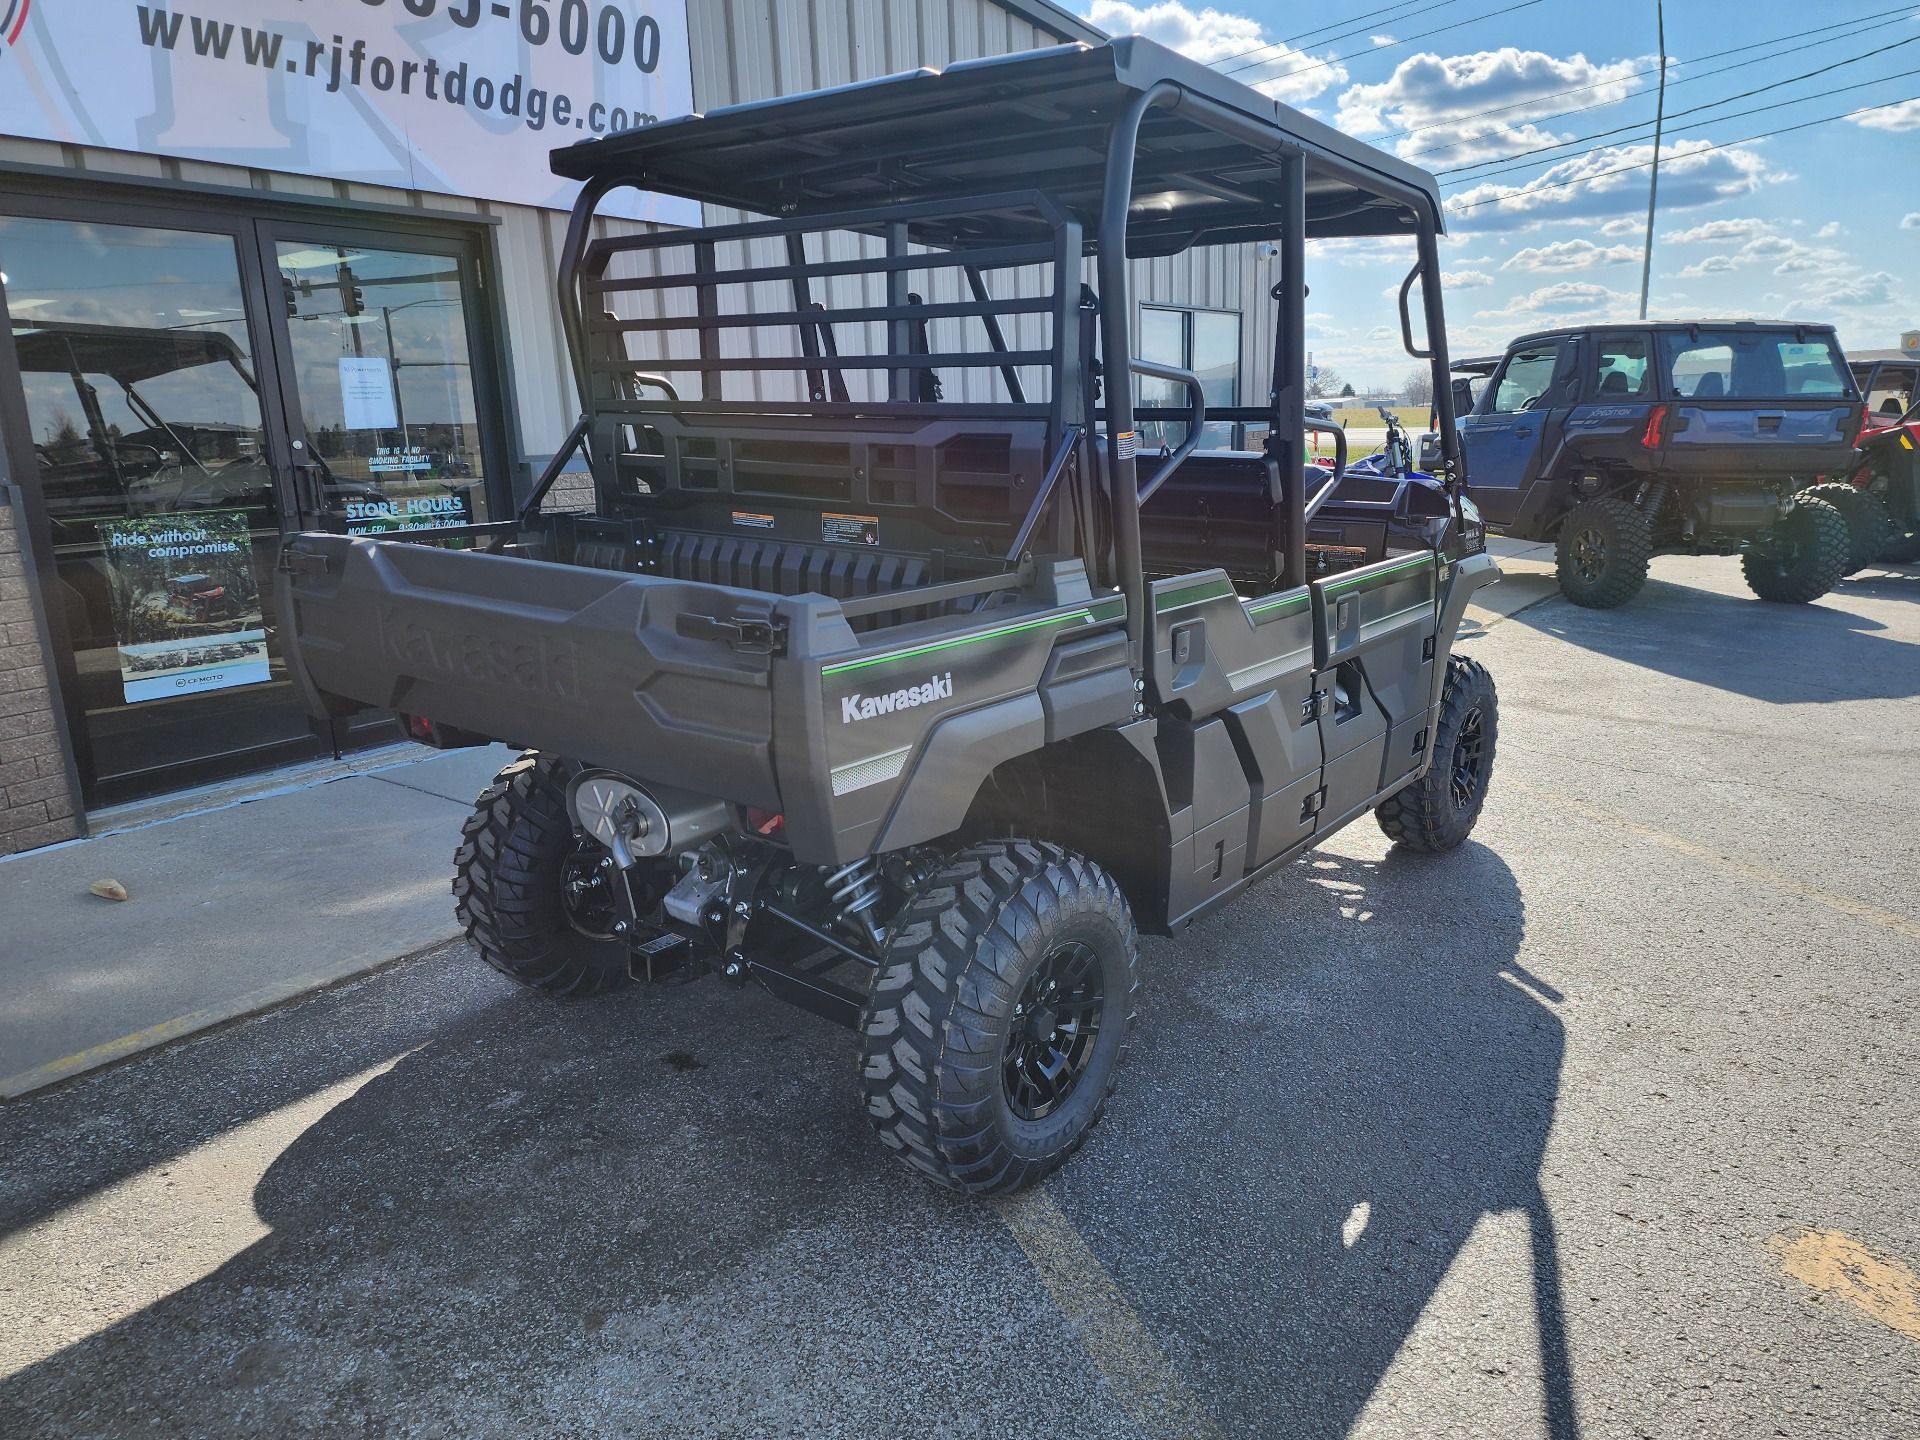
(263,891)
(247,894)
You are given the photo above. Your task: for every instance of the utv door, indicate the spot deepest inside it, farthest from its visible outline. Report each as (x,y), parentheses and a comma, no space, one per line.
(1506,437)
(1373,634)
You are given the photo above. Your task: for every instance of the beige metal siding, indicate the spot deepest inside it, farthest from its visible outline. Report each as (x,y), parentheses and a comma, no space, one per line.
(742,50)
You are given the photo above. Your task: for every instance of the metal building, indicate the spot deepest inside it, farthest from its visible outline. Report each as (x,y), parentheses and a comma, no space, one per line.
(195,342)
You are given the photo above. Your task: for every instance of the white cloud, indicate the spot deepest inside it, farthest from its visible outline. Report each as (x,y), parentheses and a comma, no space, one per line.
(1564,297)
(1905,115)
(1382,40)
(1442,97)
(1770,247)
(1625,225)
(1463,280)
(1613,180)
(1712,265)
(1208,35)
(1564,256)
(1874,289)
(1910,221)
(1829,230)
(1366,250)
(1718,231)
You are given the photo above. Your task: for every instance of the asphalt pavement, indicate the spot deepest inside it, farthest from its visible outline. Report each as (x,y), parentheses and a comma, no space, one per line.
(1602,1125)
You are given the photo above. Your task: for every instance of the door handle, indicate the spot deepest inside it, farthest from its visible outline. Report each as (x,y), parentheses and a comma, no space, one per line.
(1522,431)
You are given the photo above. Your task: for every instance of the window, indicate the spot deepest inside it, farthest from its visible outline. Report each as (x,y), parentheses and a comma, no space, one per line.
(1752,365)
(1525,378)
(1207,342)
(1620,368)
(1891,395)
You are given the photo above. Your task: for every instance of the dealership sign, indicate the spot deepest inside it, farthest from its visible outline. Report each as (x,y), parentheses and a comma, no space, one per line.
(458,97)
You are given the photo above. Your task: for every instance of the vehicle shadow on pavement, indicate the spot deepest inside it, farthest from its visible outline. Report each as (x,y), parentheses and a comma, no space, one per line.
(1780,654)
(661,1213)
(1342,1087)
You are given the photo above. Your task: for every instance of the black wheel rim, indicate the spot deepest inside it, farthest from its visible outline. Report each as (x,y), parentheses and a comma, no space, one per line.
(586,891)
(1053,1031)
(1589,554)
(1468,749)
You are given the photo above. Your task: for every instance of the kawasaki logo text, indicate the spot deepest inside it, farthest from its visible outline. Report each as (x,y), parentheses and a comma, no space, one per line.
(865,707)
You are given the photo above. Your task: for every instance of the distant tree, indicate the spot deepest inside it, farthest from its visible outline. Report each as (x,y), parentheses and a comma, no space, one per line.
(1346,391)
(66,445)
(1326,382)
(1417,388)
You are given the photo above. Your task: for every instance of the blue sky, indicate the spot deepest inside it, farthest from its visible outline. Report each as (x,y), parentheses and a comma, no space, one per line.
(1823,223)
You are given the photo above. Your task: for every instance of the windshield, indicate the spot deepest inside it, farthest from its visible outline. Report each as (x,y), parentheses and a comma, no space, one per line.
(1752,365)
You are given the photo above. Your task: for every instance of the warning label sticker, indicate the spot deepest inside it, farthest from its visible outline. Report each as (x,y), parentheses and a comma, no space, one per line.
(1126,444)
(850,529)
(753,519)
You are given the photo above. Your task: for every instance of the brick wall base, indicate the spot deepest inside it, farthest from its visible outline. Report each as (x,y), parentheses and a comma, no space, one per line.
(36,805)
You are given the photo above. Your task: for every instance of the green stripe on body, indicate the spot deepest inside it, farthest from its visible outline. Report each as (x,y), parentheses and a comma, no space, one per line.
(1092,614)
(1288,602)
(1346,582)
(1166,600)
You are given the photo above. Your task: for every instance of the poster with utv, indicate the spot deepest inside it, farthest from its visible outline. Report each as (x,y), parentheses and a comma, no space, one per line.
(186,606)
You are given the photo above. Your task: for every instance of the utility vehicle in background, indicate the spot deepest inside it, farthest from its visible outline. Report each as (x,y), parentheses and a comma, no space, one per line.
(889,672)
(1879,495)
(1618,442)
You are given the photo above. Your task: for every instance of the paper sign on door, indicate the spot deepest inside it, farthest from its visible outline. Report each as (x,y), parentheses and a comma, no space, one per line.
(366,393)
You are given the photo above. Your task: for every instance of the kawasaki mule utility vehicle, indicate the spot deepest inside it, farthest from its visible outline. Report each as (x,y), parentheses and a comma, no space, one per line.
(890,672)
(1620,441)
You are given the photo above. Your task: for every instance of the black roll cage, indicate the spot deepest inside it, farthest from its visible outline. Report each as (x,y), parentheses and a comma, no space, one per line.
(1070,412)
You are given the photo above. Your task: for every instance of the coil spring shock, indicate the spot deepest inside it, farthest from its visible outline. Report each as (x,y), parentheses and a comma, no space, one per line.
(1653,499)
(855,889)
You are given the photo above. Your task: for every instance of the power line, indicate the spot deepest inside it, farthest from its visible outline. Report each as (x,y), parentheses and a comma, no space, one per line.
(1796,41)
(1520,155)
(1687,155)
(1312,36)
(1378,49)
(1736,115)
(1373,19)
(1604,104)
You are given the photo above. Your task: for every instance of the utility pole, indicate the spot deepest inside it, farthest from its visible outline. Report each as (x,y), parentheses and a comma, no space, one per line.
(1653,186)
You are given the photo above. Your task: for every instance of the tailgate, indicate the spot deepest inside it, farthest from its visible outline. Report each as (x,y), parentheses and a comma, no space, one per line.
(662,679)
(1739,437)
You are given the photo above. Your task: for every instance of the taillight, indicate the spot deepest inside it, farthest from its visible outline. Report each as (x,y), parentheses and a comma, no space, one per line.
(1655,435)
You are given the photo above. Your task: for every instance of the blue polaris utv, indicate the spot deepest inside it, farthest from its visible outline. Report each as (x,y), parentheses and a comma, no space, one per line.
(1618,442)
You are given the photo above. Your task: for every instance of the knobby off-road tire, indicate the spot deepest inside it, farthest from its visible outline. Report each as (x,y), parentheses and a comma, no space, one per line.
(1601,553)
(507,881)
(1438,811)
(1013,952)
(1804,556)
(1869,526)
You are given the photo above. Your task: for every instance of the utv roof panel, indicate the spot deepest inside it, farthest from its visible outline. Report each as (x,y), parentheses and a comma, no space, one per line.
(1207,166)
(1670,327)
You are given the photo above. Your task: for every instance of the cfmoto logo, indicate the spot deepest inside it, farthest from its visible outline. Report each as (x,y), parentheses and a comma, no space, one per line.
(14,20)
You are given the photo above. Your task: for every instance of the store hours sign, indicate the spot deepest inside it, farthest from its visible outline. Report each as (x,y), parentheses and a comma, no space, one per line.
(459,97)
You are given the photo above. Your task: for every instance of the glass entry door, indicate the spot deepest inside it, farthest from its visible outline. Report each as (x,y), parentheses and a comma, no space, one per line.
(198,385)
(381,378)
(140,371)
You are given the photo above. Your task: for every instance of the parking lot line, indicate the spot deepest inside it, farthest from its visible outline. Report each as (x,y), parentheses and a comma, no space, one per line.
(1118,1342)
(1836,1264)
(1776,879)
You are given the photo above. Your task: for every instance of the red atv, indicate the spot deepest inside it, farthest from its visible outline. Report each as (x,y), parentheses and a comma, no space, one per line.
(1880,497)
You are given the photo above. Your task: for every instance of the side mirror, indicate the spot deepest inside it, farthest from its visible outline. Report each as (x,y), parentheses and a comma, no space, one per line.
(1462,397)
